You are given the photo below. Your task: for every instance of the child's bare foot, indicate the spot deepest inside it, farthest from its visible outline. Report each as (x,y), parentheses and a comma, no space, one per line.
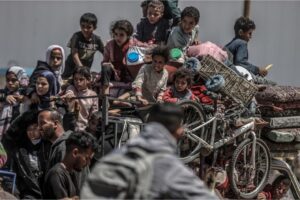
(121,103)
(114,112)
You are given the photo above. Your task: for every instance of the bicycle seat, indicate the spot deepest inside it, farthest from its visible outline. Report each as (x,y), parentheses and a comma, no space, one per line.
(260,123)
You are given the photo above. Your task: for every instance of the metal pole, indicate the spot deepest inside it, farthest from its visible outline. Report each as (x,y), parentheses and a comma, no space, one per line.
(104,121)
(247,8)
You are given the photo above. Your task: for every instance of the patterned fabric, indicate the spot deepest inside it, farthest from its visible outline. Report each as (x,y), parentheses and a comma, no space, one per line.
(3,155)
(283,105)
(284,113)
(296,132)
(6,113)
(284,122)
(279,94)
(282,148)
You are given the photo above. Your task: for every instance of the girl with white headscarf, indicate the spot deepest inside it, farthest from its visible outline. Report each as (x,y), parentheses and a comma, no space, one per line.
(11,96)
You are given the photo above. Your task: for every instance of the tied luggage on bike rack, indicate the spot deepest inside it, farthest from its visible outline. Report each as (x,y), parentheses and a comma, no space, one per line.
(235,87)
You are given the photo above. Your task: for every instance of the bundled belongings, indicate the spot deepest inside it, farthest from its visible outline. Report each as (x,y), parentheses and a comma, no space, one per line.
(286,98)
(284,122)
(281,135)
(208,48)
(281,108)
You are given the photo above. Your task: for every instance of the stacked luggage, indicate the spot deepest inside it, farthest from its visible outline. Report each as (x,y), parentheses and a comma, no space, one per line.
(281,108)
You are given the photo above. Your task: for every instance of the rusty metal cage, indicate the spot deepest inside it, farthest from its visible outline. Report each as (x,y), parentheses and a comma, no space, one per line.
(236,87)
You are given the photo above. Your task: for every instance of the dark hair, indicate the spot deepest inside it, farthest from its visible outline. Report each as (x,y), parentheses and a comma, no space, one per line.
(168,114)
(144,3)
(17,129)
(191,12)
(123,25)
(89,18)
(244,24)
(83,71)
(157,5)
(82,140)
(184,73)
(54,115)
(161,51)
(281,178)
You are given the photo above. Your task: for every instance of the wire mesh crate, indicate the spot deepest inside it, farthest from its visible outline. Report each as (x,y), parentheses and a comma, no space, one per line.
(236,87)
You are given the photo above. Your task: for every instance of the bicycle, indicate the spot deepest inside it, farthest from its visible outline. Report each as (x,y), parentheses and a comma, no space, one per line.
(249,167)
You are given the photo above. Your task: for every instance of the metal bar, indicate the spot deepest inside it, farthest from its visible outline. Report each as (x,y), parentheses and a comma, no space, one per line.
(202,125)
(247,4)
(240,131)
(115,135)
(253,157)
(104,121)
(214,128)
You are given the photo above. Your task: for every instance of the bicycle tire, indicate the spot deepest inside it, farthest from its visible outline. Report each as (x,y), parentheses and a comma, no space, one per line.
(233,175)
(198,114)
(198,109)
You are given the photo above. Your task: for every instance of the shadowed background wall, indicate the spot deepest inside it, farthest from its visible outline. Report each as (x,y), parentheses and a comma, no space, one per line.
(29,27)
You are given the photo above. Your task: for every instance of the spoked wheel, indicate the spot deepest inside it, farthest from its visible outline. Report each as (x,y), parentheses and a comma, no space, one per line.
(194,116)
(247,180)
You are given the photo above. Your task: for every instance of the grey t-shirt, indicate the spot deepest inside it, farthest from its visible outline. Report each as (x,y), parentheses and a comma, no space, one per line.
(60,183)
(179,39)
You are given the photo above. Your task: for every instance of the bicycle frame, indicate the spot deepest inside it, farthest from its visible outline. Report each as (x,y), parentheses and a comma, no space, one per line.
(215,145)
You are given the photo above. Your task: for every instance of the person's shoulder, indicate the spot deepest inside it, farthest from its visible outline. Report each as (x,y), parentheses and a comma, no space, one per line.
(147,67)
(238,41)
(176,29)
(144,20)
(164,22)
(91,92)
(109,42)
(97,37)
(56,169)
(77,34)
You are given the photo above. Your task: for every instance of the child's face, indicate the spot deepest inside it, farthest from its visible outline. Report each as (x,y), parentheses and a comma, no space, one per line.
(80,82)
(93,123)
(120,36)
(247,35)
(154,15)
(55,59)
(280,190)
(33,132)
(87,30)
(12,82)
(187,24)
(158,63)
(42,86)
(181,84)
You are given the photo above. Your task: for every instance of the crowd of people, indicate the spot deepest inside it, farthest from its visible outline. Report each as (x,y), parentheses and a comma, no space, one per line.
(50,122)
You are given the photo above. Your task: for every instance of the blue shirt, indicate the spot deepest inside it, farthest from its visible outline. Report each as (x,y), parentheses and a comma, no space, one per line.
(239,50)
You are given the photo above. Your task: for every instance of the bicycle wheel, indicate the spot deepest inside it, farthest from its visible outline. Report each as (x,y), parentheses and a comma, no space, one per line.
(245,179)
(194,116)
